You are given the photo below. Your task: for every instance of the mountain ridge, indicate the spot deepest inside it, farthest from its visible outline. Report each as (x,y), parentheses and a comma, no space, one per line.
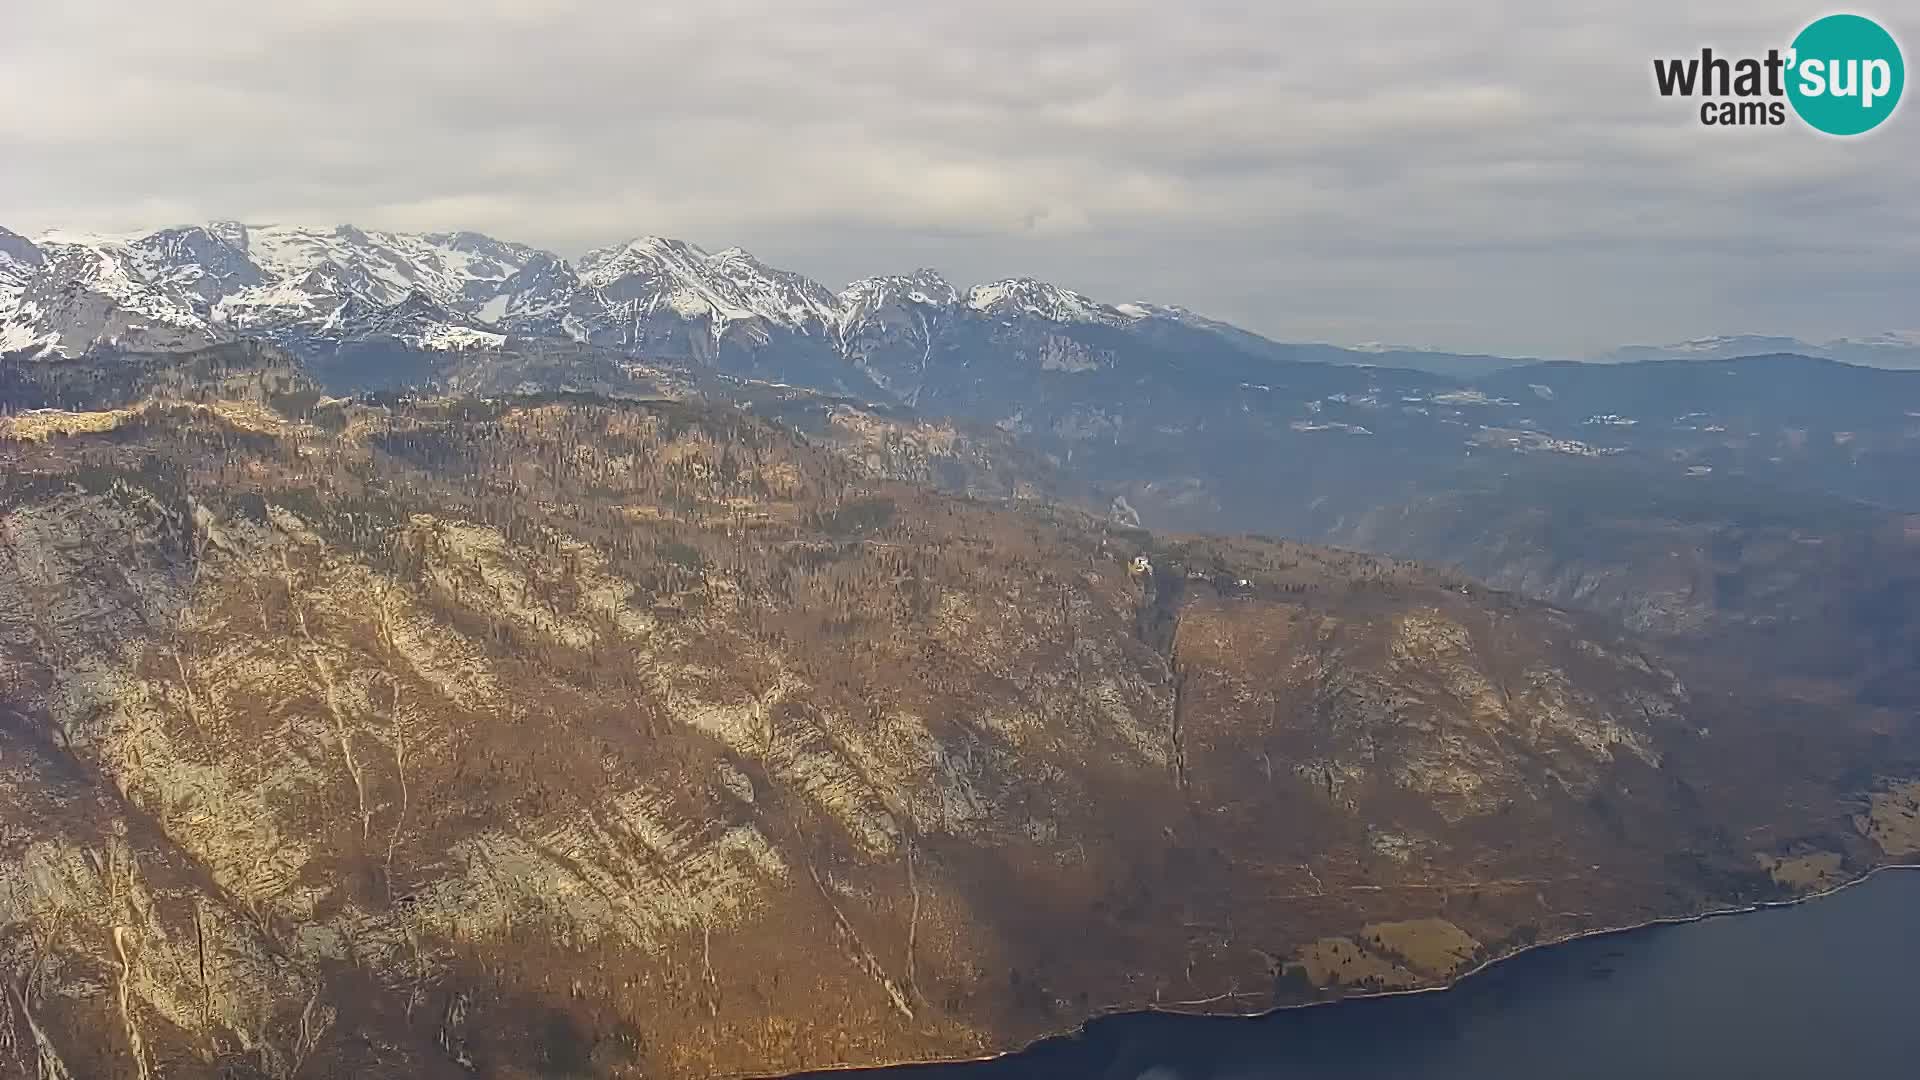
(226,278)
(1894,349)
(195,284)
(469,273)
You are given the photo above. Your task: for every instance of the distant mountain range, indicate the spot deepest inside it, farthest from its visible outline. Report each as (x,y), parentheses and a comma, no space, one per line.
(344,289)
(1899,349)
(319,289)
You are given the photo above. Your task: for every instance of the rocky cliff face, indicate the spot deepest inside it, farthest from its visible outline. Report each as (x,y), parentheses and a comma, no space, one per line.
(564,736)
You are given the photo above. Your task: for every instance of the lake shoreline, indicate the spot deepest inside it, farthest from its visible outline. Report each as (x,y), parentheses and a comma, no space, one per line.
(1189,1008)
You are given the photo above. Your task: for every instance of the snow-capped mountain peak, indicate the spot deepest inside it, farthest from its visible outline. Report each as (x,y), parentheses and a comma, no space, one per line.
(418,320)
(1140,310)
(19,258)
(73,291)
(881,306)
(109,288)
(282,281)
(1027,296)
(453,268)
(232,232)
(604,266)
(725,286)
(863,299)
(83,238)
(344,287)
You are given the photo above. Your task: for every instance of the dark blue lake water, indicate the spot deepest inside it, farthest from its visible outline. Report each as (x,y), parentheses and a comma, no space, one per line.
(1829,988)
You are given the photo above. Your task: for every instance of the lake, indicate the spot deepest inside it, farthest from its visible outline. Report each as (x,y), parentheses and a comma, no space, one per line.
(1828,988)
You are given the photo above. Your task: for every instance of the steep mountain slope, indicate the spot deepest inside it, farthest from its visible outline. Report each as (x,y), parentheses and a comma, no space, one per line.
(1761,509)
(1816,590)
(182,286)
(453,269)
(87,291)
(559,735)
(879,441)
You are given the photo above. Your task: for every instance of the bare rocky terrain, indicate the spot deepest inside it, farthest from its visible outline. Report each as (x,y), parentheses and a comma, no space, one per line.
(557,735)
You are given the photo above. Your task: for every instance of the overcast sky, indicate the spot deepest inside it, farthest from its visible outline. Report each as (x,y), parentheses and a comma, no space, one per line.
(1494,176)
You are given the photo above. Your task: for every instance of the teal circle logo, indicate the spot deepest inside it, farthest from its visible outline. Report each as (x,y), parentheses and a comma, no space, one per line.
(1845,75)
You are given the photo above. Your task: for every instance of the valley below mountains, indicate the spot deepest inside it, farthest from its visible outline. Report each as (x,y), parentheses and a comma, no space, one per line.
(421,656)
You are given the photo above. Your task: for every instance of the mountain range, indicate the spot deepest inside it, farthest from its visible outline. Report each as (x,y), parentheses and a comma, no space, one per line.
(1173,419)
(1898,349)
(317,288)
(70,293)
(1194,422)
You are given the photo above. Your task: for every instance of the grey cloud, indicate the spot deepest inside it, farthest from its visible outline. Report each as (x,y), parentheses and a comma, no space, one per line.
(1497,175)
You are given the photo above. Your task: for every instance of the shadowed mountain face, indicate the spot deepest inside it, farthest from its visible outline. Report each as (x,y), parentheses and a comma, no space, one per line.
(1761,507)
(1814,589)
(557,735)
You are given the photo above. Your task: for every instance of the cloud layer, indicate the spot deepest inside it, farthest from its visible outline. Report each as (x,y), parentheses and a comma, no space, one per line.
(1499,176)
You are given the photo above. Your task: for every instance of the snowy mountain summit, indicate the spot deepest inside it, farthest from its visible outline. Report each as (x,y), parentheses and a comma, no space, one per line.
(65,294)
